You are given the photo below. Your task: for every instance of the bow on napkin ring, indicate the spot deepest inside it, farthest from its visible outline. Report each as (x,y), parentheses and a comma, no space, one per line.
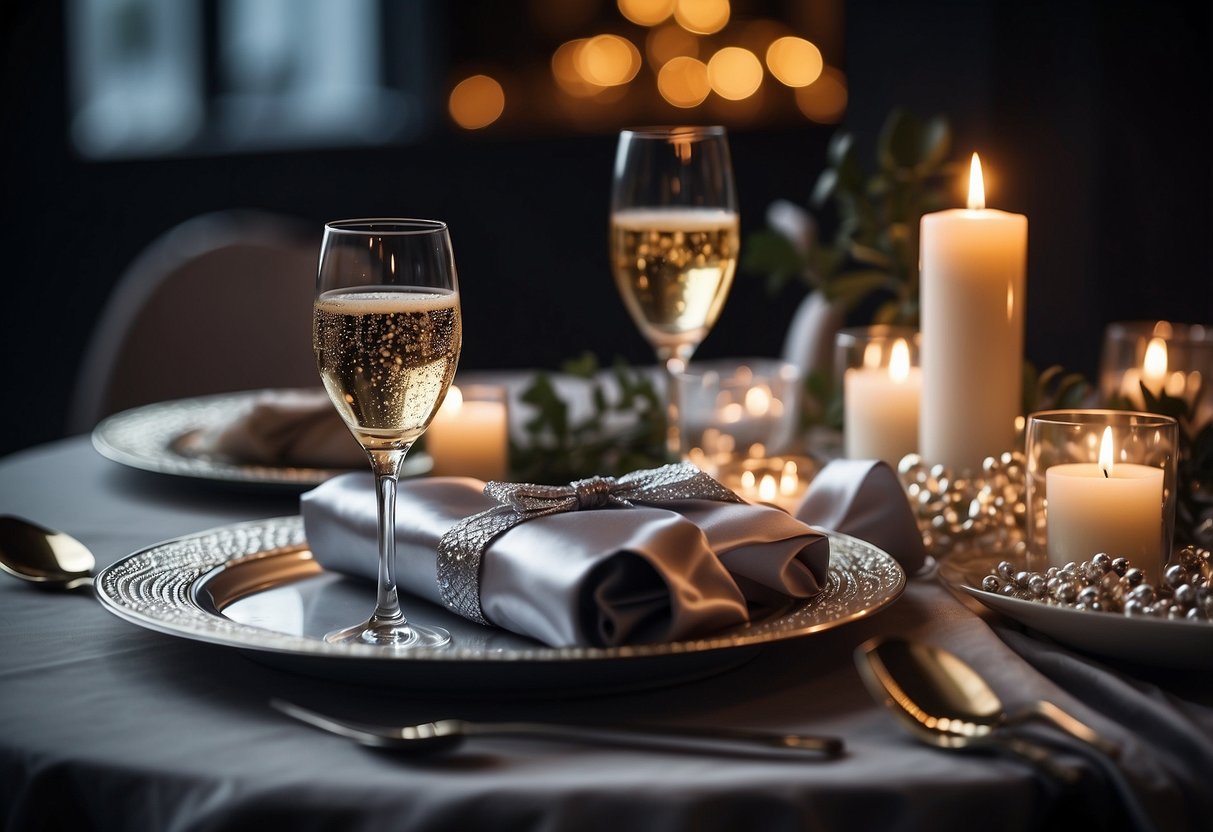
(461,549)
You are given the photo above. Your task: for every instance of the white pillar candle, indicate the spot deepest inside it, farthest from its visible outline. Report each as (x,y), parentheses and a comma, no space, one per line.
(469,437)
(1112,507)
(881,407)
(973,263)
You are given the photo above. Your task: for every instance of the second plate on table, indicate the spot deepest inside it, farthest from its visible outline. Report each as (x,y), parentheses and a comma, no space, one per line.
(255,587)
(162,438)
(1148,641)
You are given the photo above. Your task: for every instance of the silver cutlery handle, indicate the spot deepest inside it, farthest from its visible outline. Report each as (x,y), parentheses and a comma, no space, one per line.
(676,737)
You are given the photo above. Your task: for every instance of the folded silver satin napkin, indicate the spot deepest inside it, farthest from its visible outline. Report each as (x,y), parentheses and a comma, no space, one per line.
(286,427)
(601,577)
(864,498)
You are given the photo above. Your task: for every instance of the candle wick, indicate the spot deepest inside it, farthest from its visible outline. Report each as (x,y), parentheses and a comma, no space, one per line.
(1105,473)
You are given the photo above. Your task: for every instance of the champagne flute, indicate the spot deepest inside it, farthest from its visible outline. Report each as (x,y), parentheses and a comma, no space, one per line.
(387,330)
(674,241)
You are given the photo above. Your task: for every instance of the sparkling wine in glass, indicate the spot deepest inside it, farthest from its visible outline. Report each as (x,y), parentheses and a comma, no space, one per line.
(674,241)
(387,330)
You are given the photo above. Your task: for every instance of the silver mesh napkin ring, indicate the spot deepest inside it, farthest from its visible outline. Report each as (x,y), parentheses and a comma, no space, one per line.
(461,549)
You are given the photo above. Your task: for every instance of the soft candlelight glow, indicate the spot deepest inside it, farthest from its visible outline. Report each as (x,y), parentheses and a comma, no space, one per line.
(758,400)
(899,361)
(1106,455)
(453,402)
(767,489)
(776,481)
(881,401)
(469,436)
(1155,362)
(977,185)
(789,481)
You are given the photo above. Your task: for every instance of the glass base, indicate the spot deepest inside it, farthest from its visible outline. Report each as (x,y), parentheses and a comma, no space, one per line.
(399,635)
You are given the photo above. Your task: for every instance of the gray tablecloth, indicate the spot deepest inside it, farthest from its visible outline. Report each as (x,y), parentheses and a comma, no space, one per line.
(106,725)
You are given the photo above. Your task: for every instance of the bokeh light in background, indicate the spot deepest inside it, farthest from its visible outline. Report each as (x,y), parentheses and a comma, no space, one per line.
(735,73)
(630,61)
(683,82)
(825,100)
(476,102)
(646,12)
(794,61)
(703,17)
(607,60)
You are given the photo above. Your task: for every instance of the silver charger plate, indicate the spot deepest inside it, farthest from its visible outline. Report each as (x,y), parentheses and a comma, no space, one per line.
(255,587)
(1154,642)
(161,438)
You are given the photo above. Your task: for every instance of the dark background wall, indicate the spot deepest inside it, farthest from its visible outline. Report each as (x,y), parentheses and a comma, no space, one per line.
(1096,116)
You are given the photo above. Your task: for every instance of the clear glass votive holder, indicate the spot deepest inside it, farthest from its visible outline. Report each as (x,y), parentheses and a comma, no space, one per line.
(1101,481)
(470,435)
(1166,357)
(733,408)
(881,380)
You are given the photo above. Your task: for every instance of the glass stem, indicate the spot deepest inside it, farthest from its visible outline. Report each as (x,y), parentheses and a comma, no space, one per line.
(674,360)
(386,465)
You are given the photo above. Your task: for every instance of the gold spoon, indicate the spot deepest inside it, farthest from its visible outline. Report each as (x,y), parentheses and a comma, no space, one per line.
(944,700)
(48,558)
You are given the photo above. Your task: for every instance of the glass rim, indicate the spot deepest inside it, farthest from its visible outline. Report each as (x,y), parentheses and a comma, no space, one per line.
(1116,418)
(389,226)
(760,367)
(854,334)
(1181,332)
(672,131)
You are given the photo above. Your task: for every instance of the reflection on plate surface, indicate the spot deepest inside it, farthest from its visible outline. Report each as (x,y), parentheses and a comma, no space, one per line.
(255,586)
(1149,641)
(157,437)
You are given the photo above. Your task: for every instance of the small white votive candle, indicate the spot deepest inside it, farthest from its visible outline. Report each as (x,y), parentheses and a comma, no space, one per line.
(469,436)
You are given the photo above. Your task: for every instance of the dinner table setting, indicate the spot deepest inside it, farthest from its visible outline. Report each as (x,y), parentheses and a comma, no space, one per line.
(651,598)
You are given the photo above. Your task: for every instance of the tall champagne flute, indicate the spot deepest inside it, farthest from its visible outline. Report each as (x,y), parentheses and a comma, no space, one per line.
(387,330)
(674,242)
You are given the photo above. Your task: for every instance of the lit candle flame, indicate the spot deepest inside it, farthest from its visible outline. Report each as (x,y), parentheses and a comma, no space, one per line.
(977,185)
(1155,363)
(788,481)
(899,361)
(1105,452)
(767,488)
(872,355)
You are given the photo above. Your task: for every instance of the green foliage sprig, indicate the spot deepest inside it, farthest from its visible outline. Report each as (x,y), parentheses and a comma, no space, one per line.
(874,251)
(624,431)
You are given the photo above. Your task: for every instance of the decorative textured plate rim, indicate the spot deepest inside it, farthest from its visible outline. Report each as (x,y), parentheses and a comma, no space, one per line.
(146,438)
(156,588)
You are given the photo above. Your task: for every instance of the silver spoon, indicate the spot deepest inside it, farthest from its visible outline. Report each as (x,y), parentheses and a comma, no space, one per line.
(445,734)
(934,691)
(43,556)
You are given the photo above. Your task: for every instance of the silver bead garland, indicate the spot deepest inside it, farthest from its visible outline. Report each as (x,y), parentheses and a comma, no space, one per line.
(985,509)
(1107,584)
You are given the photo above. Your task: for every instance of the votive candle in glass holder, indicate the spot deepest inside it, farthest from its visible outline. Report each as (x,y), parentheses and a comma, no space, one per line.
(735,408)
(780,481)
(882,391)
(1101,481)
(1164,357)
(469,435)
